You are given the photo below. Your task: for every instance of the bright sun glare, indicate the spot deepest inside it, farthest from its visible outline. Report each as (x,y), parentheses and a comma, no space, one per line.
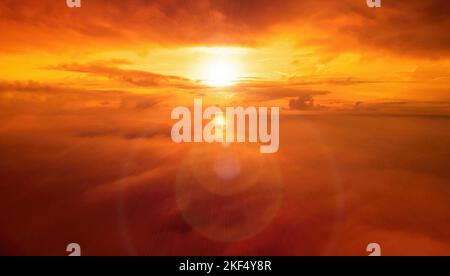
(220,121)
(219,73)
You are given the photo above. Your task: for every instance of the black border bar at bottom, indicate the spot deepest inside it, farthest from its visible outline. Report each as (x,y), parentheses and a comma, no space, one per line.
(221,265)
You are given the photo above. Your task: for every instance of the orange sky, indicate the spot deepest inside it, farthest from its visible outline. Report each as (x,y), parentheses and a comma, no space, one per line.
(342,51)
(85,100)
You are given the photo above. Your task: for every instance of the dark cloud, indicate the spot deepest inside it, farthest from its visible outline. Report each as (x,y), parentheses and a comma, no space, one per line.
(133,77)
(343,81)
(413,27)
(267,91)
(305,102)
(404,108)
(33,86)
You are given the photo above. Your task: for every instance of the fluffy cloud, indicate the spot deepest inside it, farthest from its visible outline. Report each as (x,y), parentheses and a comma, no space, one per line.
(302,103)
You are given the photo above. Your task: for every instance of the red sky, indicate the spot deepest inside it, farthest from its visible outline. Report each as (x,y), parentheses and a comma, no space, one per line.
(85,102)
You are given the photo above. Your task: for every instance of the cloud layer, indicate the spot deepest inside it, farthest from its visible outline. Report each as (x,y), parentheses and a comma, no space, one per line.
(402,27)
(98,169)
(85,102)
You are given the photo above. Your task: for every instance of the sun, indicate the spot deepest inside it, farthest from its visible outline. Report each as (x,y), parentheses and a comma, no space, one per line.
(220,73)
